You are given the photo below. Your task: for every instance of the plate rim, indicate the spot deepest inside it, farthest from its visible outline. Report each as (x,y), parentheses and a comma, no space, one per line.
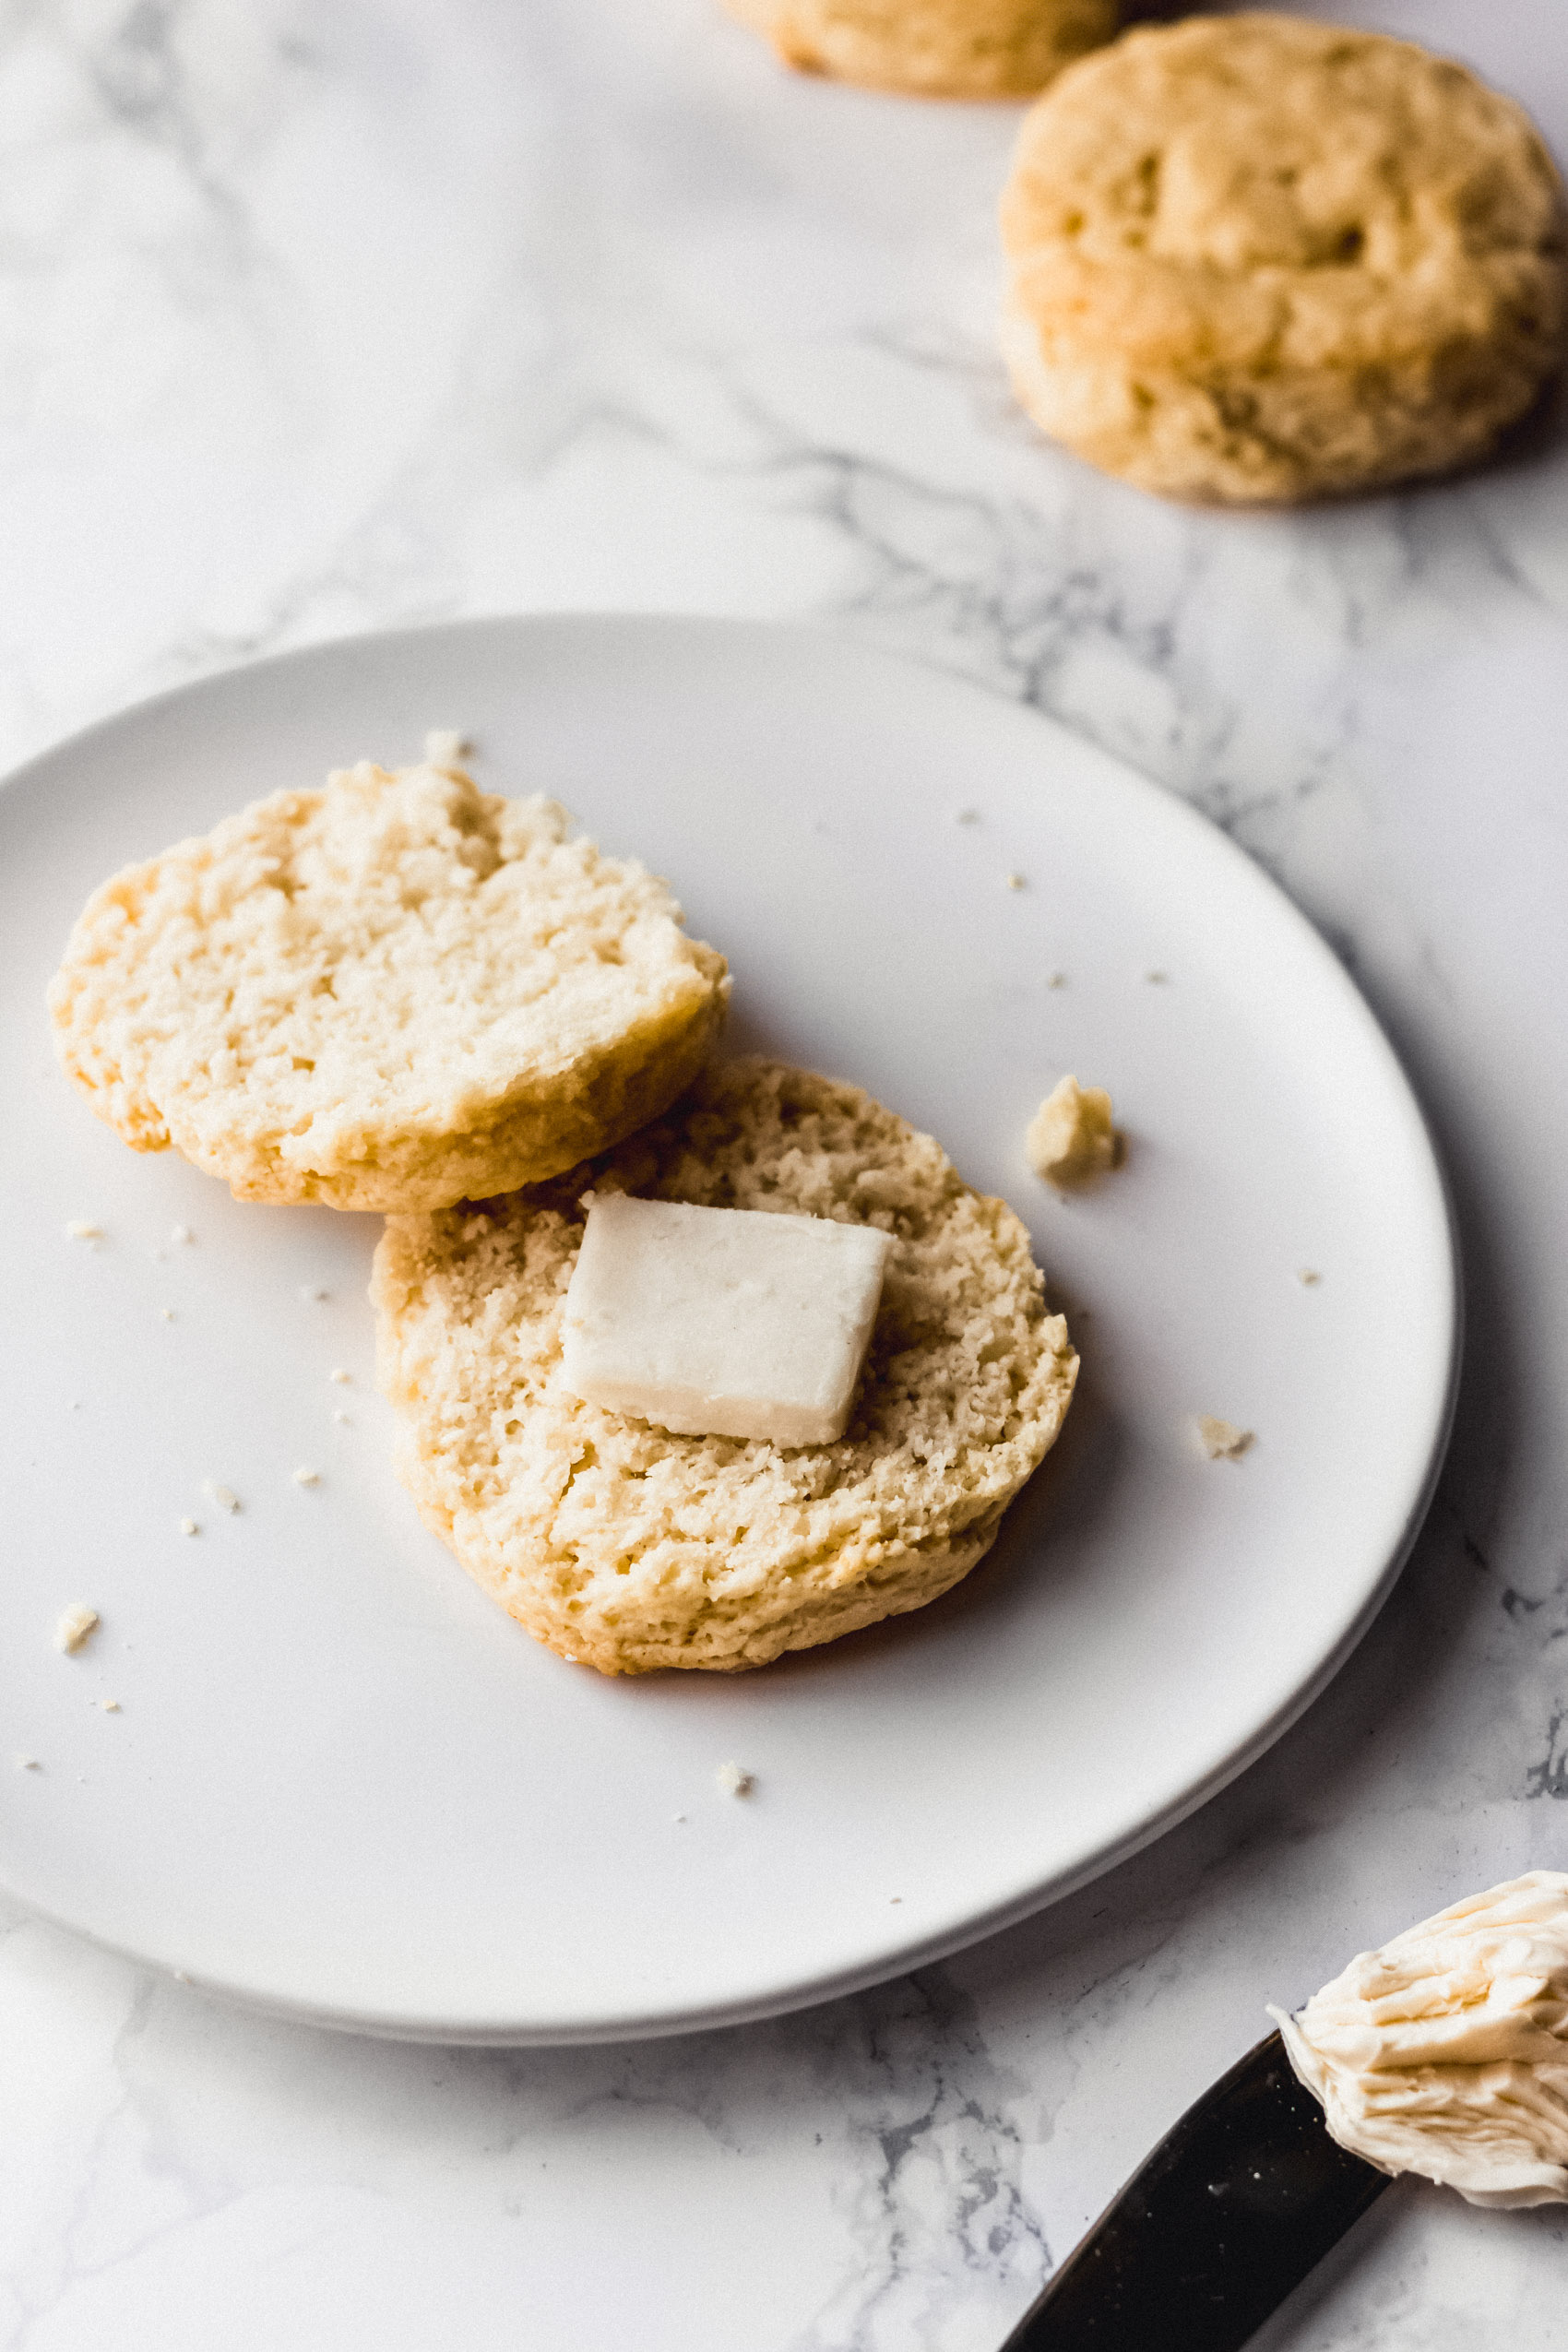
(836,1983)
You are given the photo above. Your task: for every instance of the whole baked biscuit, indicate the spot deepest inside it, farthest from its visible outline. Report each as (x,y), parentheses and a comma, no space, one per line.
(626,1548)
(1257,258)
(933,48)
(389,994)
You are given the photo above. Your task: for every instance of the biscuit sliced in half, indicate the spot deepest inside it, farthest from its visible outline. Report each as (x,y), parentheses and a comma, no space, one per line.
(1261,258)
(933,48)
(386,996)
(624,1547)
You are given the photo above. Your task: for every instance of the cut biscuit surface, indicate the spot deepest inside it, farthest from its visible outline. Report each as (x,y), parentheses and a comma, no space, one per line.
(627,1548)
(933,48)
(389,994)
(1261,258)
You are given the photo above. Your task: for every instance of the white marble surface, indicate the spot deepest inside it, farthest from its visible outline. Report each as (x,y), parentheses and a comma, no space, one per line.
(320,314)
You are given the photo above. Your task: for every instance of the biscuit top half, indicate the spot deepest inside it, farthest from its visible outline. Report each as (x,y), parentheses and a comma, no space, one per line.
(338,980)
(1267,185)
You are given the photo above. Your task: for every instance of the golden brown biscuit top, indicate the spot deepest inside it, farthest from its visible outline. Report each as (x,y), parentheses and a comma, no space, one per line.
(1265,179)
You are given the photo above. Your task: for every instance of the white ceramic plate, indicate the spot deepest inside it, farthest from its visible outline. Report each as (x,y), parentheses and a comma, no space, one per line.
(341,1782)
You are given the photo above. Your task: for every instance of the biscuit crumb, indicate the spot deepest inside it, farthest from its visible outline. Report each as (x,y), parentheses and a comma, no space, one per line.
(1222,1440)
(1016,882)
(308,1290)
(445,747)
(1071,1136)
(166,1314)
(307,1477)
(224,1496)
(189,1527)
(1157,980)
(1307,1276)
(340,1375)
(966,816)
(82,1229)
(1057,980)
(894,1898)
(735,1780)
(679,1819)
(28,1764)
(182,1233)
(341,1415)
(75,1626)
(112,1707)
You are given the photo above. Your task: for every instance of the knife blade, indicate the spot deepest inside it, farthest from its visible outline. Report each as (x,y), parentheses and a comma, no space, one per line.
(1214,2228)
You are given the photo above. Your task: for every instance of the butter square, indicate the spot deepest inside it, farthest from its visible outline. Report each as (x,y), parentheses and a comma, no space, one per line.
(721,1321)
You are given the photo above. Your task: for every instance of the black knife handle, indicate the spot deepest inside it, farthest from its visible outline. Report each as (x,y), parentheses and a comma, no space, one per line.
(1214,2229)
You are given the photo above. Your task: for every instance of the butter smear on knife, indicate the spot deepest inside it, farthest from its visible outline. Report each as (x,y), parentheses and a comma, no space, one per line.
(1445,2053)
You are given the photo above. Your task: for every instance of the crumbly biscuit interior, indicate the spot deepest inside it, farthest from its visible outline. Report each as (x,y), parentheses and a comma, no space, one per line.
(396,974)
(629,1547)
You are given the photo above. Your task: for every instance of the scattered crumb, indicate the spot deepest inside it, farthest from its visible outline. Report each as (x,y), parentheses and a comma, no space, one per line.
(112,1707)
(1071,1136)
(28,1764)
(309,1291)
(679,1819)
(189,1527)
(341,1417)
(1157,980)
(224,1496)
(894,1898)
(180,1976)
(75,1404)
(1307,1276)
(82,1229)
(340,1375)
(735,1780)
(966,816)
(307,1477)
(1016,882)
(445,746)
(182,1233)
(167,1313)
(1057,980)
(1222,1440)
(75,1624)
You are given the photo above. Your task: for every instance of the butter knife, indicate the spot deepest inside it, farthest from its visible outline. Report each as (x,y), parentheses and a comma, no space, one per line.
(1212,2232)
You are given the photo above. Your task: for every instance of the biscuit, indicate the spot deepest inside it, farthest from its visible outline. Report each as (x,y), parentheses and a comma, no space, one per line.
(386,996)
(1259,259)
(626,1548)
(933,48)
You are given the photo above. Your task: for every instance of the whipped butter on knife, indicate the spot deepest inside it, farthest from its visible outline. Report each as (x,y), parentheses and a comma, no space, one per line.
(1445,2053)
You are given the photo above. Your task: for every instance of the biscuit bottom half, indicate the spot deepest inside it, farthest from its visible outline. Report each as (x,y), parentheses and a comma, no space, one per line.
(626,1548)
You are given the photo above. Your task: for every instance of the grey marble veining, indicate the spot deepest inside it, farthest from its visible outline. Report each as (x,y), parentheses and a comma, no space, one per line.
(324,314)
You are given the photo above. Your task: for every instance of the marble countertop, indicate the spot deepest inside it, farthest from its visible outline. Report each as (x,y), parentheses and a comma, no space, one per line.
(324,314)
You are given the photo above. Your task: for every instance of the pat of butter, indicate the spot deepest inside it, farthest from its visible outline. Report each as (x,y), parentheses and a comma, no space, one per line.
(721,1321)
